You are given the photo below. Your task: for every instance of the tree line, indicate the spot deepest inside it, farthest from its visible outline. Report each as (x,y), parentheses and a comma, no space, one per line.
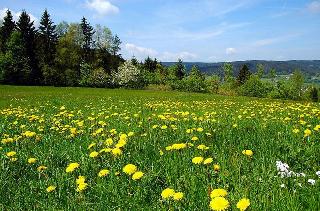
(78,54)
(60,55)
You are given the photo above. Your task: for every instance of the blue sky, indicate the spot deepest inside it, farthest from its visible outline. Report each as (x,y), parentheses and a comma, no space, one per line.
(196,30)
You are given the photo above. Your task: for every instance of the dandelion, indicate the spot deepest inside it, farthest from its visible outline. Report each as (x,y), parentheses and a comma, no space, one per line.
(32,160)
(41,168)
(247,152)
(163,127)
(116,151)
(137,175)
(218,192)
(72,166)
(94,154)
(208,161)
(178,196)
(194,138)
(219,204)
(103,173)
(216,167)
(243,204)
(202,147)
(307,133)
(161,152)
(295,130)
(108,142)
(129,169)
(197,160)
(167,193)
(199,129)
(81,179)
(81,187)
(51,188)
(11,154)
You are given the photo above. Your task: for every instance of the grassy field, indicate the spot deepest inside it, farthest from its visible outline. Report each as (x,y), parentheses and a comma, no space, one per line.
(56,141)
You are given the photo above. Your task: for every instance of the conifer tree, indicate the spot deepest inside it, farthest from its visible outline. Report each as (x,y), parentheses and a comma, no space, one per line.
(6,29)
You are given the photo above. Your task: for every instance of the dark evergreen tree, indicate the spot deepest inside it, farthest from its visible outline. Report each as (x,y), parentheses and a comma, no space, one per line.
(243,75)
(87,32)
(6,29)
(26,27)
(47,40)
(314,94)
(180,69)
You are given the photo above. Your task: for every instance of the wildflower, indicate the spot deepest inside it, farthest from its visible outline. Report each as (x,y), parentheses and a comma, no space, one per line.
(161,152)
(179,146)
(167,193)
(81,187)
(295,130)
(318,173)
(11,154)
(51,188)
(218,192)
(32,160)
(130,134)
(216,167)
(81,179)
(116,151)
(197,160)
(194,138)
(307,133)
(94,154)
(219,204)
(199,129)
(178,196)
(41,168)
(208,161)
(243,204)
(103,173)
(202,147)
(13,159)
(108,142)
(247,152)
(91,145)
(129,169)
(317,128)
(72,166)
(163,127)
(311,181)
(137,175)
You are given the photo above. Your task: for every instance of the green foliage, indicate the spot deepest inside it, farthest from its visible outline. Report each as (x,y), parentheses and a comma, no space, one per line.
(260,70)
(228,72)
(6,29)
(254,87)
(243,75)
(314,94)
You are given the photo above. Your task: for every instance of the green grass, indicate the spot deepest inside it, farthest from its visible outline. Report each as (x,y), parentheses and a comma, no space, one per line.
(230,125)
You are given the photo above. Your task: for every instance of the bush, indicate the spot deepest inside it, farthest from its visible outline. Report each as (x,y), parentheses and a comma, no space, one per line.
(254,87)
(99,78)
(213,83)
(314,96)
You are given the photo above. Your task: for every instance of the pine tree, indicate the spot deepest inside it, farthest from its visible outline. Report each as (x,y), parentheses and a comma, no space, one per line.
(47,40)
(87,32)
(115,46)
(26,27)
(6,29)
(243,75)
(180,69)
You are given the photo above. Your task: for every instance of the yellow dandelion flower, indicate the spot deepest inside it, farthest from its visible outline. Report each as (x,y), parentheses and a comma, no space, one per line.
(137,175)
(108,142)
(80,179)
(129,169)
(51,188)
(81,187)
(199,129)
(163,127)
(307,133)
(178,196)
(32,160)
(167,193)
(218,192)
(243,204)
(197,160)
(194,138)
(247,152)
(216,167)
(103,173)
(219,204)
(11,154)
(161,152)
(202,147)
(208,161)
(295,130)
(41,168)
(94,154)
(116,151)
(72,166)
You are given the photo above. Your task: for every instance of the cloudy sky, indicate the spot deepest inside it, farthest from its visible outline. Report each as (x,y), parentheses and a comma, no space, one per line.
(196,30)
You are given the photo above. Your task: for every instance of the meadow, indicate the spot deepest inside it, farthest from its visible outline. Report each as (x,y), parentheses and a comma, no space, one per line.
(69,149)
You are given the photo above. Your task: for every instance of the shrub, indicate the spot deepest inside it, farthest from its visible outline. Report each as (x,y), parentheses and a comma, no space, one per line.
(314,96)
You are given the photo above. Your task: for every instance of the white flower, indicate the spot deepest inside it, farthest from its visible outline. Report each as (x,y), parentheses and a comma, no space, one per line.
(311,181)
(318,173)
(283,185)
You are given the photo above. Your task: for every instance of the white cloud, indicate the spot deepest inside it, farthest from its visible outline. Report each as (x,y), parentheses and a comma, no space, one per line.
(314,6)
(141,53)
(102,7)
(16,15)
(270,41)
(230,51)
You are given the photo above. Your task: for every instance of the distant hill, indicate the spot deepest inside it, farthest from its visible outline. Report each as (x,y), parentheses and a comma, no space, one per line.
(308,67)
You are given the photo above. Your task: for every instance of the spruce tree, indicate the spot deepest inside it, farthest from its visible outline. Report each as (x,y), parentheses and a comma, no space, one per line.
(180,69)
(6,29)
(87,31)
(26,27)
(243,75)
(47,40)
